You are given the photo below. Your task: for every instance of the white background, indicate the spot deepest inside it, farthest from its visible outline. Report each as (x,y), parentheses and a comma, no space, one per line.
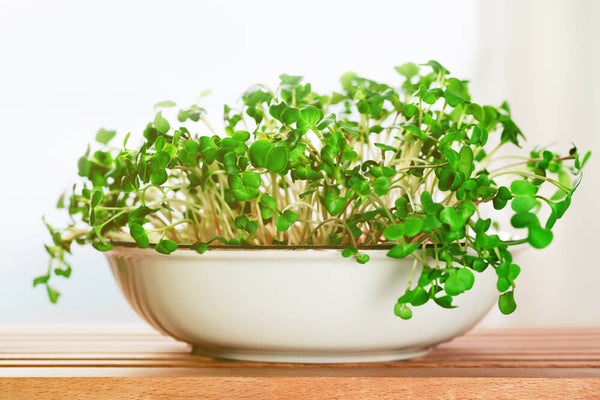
(68,68)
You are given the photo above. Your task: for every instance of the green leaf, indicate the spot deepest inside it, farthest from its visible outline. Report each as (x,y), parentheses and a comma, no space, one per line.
(277,159)
(240,222)
(158,177)
(432,95)
(581,164)
(412,226)
(251,227)
(349,252)
(523,188)
(502,197)
(282,223)
(479,135)
(199,247)
(349,155)
(459,282)
(424,279)
(290,216)
(444,301)
(466,278)
(466,211)
(311,115)
(290,81)
(450,217)
(452,136)
(333,203)
(408,70)
(53,294)
(138,215)
(502,284)
(476,111)
(268,201)
(165,246)
(245,193)
(419,296)
(524,220)
(393,232)
(258,152)
(506,303)
(453,97)
(290,115)
(103,136)
(465,163)
(437,67)
(208,149)
(401,207)
(410,110)
(183,115)
(159,160)
(452,286)
(276,110)
(415,131)
(446,179)
(96,198)
(166,103)
(170,149)
(362,258)
(102,246)
(160,143)
(510,132)
(384,147)
(426,199)
(513,271)
(522,203)
(60,203)
(402,311)
(241,136)
(251,179)
(40,280)
(402,250)
(161,124)
(382,183)
(431,221)
(63,272)
(138,233)
(347,80)
(376,129)
(539,237)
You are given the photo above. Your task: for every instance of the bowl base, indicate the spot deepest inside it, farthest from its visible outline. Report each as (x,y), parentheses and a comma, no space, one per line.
(312,357)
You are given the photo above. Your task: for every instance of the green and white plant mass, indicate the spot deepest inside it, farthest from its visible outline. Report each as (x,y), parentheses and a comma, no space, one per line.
(413,167)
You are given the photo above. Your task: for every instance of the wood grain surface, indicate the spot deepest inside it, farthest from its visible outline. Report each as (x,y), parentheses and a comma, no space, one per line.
(524,364)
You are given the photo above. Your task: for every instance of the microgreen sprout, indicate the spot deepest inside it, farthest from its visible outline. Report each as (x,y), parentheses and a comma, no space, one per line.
(411,166)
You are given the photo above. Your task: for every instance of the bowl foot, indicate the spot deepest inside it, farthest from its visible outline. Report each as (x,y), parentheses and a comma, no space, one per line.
(312,357)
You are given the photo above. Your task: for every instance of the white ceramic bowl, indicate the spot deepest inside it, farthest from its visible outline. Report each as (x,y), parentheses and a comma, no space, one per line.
(286,305)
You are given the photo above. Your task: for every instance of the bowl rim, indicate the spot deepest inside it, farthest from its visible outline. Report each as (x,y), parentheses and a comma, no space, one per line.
(130,244)
(120,244)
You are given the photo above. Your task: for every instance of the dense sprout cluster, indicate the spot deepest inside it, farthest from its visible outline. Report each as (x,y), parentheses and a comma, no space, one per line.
(410,167)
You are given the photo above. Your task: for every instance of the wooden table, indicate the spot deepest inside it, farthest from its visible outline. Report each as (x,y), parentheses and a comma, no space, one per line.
(523,364)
